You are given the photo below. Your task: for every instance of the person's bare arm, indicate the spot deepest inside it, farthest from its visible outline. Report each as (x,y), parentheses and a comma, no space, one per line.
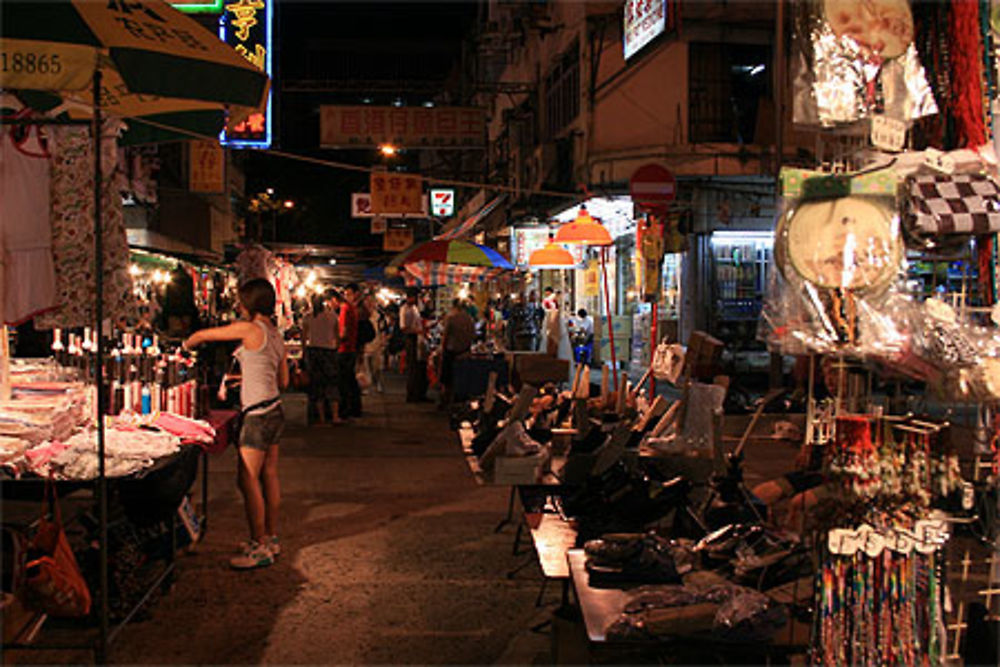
(241,331)
(283,371)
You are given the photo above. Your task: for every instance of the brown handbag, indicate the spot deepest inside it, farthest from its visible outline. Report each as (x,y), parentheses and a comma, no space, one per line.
(54,583)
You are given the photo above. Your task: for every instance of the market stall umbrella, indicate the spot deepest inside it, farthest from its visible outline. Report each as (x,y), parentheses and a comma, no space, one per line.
(449,251)
(154,49)
(429,274)
(150,119)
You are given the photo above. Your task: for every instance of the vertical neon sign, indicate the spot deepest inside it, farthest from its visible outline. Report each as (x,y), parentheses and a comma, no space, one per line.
(247,26)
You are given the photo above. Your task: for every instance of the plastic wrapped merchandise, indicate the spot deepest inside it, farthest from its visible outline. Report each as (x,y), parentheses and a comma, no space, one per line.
(854,58)
(614,548)
(749,616)
(659,597)
(621,558)
(944,339)
(831,252)
(848,243)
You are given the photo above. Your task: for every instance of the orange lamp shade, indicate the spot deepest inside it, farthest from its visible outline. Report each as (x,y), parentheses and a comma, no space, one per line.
(584,231)
(551,255)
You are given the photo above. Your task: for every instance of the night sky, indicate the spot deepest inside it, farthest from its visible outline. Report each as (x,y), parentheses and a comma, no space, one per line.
(347,46)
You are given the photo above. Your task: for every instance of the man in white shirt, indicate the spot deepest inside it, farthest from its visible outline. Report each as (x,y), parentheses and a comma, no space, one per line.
(412,325)
(583,337)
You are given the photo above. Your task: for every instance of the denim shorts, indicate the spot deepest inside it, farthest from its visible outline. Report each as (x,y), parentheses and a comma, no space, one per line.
(260,431)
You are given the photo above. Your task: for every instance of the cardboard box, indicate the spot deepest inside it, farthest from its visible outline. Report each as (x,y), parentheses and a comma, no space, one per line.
(704,354)
(622,328)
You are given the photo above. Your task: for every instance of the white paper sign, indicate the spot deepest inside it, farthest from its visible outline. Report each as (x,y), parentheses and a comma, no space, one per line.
(888,134)
(926,538)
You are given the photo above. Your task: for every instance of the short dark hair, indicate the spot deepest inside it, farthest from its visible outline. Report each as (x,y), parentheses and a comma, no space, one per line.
(582,312)
(317,304)
(257,296)
(353,287)
(456,303)
(548,289)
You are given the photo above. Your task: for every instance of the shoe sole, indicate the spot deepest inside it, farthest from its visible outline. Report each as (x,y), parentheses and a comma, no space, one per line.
(256,566)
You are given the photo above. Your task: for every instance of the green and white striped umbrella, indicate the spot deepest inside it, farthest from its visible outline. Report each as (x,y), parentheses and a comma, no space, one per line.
(155,61)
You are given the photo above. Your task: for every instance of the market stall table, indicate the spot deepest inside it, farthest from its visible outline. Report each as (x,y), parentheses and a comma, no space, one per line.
(472,372)
(602,606)
(552,537)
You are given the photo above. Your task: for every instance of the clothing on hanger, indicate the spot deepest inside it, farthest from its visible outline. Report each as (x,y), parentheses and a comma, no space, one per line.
(28,274)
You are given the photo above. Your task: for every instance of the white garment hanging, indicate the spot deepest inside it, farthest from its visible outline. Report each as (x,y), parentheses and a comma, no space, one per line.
(28,276)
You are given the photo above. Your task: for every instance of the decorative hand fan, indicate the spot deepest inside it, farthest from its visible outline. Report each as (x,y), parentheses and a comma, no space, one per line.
(849,243)
(882,28)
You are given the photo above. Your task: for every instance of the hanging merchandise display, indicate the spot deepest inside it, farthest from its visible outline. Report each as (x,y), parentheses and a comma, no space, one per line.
(71,214)
(887,269)
(855,59)
(880,590)
(28,276)
(841,286)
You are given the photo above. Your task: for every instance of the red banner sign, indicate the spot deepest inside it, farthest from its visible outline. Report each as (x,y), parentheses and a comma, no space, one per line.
(406,127)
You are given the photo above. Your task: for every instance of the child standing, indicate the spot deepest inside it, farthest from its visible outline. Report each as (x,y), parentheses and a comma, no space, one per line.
(264,372)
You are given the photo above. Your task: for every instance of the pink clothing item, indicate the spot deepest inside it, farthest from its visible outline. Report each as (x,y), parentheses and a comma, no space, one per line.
(39,456)
(28,273)
(224,422)
(188,430)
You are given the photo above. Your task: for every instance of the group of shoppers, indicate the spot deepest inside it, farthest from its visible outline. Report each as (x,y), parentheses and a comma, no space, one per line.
(458,333)
(542,327)
(342,341)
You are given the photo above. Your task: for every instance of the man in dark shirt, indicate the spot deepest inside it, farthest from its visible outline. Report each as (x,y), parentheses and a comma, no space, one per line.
(523,326)
(347,353)
(458,333)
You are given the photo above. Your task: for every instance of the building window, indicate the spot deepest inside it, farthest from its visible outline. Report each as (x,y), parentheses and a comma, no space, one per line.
(727,83)
(562,91)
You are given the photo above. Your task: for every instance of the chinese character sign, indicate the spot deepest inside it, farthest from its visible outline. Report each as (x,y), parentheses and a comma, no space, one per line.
(397,239)
(361,207)
(645,20)
(246,26)
(207,167)
(409,127)
(396,193)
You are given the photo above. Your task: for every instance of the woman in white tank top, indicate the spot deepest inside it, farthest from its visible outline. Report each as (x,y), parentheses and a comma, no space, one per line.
(264,373)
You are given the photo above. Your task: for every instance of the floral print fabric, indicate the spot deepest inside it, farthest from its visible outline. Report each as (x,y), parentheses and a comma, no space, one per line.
(72,219)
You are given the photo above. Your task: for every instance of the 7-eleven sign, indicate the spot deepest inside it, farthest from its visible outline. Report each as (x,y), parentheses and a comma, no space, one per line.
(443,203)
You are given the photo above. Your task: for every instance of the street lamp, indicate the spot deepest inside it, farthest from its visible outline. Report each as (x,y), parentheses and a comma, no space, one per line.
(388,150)
(266,202)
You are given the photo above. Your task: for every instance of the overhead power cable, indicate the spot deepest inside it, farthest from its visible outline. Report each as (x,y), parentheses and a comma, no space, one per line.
(332,164)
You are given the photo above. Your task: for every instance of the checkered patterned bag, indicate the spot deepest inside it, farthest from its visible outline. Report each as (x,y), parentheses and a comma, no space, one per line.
(952,204)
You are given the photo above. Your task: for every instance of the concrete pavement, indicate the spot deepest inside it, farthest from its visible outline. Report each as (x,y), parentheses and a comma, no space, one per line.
(389,556)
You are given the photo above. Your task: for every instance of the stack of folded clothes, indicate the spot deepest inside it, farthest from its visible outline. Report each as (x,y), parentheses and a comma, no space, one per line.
(126,452)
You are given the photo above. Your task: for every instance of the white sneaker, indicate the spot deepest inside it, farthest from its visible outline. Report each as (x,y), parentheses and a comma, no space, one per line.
(274,545)
(255,555)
